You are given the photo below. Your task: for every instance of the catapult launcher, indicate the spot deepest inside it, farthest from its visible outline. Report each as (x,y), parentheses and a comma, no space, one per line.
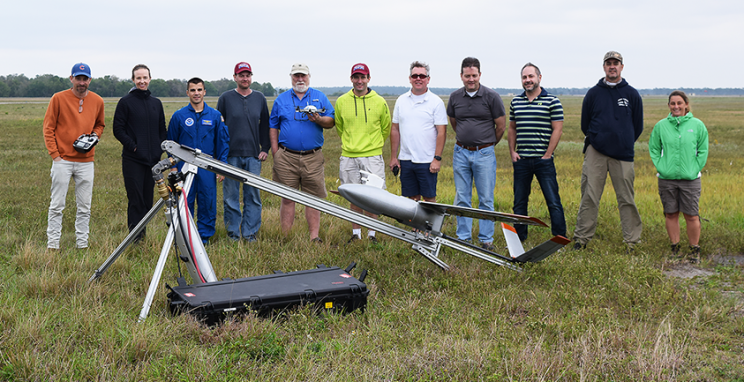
(425,218)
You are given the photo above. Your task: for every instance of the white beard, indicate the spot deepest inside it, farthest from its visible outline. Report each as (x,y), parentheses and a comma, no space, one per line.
(300,88)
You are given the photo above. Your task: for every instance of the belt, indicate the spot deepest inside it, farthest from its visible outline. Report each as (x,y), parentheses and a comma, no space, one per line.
(303,152)
(475,148)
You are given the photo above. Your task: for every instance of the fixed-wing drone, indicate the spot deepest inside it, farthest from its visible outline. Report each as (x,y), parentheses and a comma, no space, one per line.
(310,109)
(426,219)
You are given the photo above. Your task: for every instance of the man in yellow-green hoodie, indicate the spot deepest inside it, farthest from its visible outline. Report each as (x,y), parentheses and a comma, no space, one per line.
(363,123)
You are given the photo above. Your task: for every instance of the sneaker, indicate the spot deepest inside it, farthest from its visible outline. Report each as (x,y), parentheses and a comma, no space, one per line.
(372,239)
(487,246)
(353,239)
(251,238)
(317,240)
(578,246)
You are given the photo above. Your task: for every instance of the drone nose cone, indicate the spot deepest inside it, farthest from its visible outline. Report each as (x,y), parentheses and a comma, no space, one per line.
(376,200)
(381,202)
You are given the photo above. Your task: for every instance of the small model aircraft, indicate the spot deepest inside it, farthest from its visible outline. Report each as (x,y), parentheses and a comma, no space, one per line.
(310,109)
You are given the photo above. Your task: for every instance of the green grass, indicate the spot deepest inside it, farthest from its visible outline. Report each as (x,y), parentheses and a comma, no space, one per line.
(594,315)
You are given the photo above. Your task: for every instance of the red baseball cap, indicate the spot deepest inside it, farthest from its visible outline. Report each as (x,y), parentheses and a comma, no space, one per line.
(360,68)
(242,67)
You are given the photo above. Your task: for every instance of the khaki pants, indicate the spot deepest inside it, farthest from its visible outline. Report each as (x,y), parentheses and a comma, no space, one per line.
(593,177)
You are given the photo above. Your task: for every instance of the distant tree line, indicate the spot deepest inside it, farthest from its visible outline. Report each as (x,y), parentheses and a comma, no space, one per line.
(18,85)
(398,90)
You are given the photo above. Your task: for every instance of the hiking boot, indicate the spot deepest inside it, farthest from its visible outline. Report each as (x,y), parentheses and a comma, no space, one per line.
(578,246)
(487,246)
(353,239)
(675,249)
(694,256)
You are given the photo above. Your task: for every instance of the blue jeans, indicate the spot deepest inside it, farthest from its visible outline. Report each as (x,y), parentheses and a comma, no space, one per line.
(250,222)
(544,171)
(479,167)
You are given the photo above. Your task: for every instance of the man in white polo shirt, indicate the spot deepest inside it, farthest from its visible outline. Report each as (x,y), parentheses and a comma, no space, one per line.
(419,129)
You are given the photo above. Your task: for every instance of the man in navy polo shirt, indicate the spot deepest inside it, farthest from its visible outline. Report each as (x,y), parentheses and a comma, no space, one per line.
(477,116)
(297,120)
(199,126)
(535,127)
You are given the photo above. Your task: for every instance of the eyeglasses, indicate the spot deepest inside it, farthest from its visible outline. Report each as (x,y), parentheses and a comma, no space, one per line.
(80,109)
(419,76)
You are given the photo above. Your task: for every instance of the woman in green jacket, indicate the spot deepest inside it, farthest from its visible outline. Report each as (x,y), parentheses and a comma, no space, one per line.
(679,150)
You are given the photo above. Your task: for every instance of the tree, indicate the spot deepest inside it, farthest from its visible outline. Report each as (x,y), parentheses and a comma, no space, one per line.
(4,88)
(159,88)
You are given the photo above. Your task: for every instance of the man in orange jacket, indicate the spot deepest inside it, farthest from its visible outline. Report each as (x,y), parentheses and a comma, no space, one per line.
(73,115)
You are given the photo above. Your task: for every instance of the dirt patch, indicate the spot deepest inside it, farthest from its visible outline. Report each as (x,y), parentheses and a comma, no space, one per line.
(686,271)
(729,260)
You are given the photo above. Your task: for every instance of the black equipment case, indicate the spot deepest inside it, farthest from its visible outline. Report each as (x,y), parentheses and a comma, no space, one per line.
(329,289)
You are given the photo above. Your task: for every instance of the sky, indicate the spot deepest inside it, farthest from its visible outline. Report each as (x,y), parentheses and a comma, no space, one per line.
(665,44)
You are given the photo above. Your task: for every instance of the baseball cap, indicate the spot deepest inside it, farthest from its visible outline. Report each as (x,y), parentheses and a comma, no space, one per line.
(300,68)
(243,67)
(360,68)
(613,54)
(81,69)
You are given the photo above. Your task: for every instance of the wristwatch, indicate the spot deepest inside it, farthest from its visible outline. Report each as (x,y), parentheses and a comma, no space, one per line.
(437,157)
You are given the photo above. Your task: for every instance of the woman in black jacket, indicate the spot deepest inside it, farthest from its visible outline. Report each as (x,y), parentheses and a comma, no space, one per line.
(139,124)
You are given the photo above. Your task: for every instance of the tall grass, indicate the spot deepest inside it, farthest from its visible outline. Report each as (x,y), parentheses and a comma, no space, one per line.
(598,314)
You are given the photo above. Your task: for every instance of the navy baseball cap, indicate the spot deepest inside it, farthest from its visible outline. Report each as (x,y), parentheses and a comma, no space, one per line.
(81,69)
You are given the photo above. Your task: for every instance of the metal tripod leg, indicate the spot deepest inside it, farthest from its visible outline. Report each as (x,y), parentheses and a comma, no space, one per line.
(172,229)
(158,273)
(127,241)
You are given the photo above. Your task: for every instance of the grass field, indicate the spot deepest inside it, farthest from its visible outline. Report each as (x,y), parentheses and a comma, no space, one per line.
(593,315)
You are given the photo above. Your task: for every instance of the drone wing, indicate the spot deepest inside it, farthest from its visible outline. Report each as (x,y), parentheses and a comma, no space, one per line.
(482,214)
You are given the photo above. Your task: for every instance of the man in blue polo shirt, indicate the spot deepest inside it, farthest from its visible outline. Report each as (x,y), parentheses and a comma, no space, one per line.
(200,126)
(535,127)
(297,120)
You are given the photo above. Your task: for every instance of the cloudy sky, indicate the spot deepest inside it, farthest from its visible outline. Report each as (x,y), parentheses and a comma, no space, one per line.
(666,44)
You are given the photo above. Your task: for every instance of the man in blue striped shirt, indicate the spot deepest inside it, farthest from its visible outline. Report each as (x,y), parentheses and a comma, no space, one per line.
(535,127)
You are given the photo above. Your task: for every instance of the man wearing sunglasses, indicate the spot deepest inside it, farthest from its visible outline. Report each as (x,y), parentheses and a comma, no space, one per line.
(70,115)
(298,118)
(419,129)
(477,116)
(363,123)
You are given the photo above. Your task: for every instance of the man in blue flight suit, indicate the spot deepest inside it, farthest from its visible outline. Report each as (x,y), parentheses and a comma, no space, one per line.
(200,126)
